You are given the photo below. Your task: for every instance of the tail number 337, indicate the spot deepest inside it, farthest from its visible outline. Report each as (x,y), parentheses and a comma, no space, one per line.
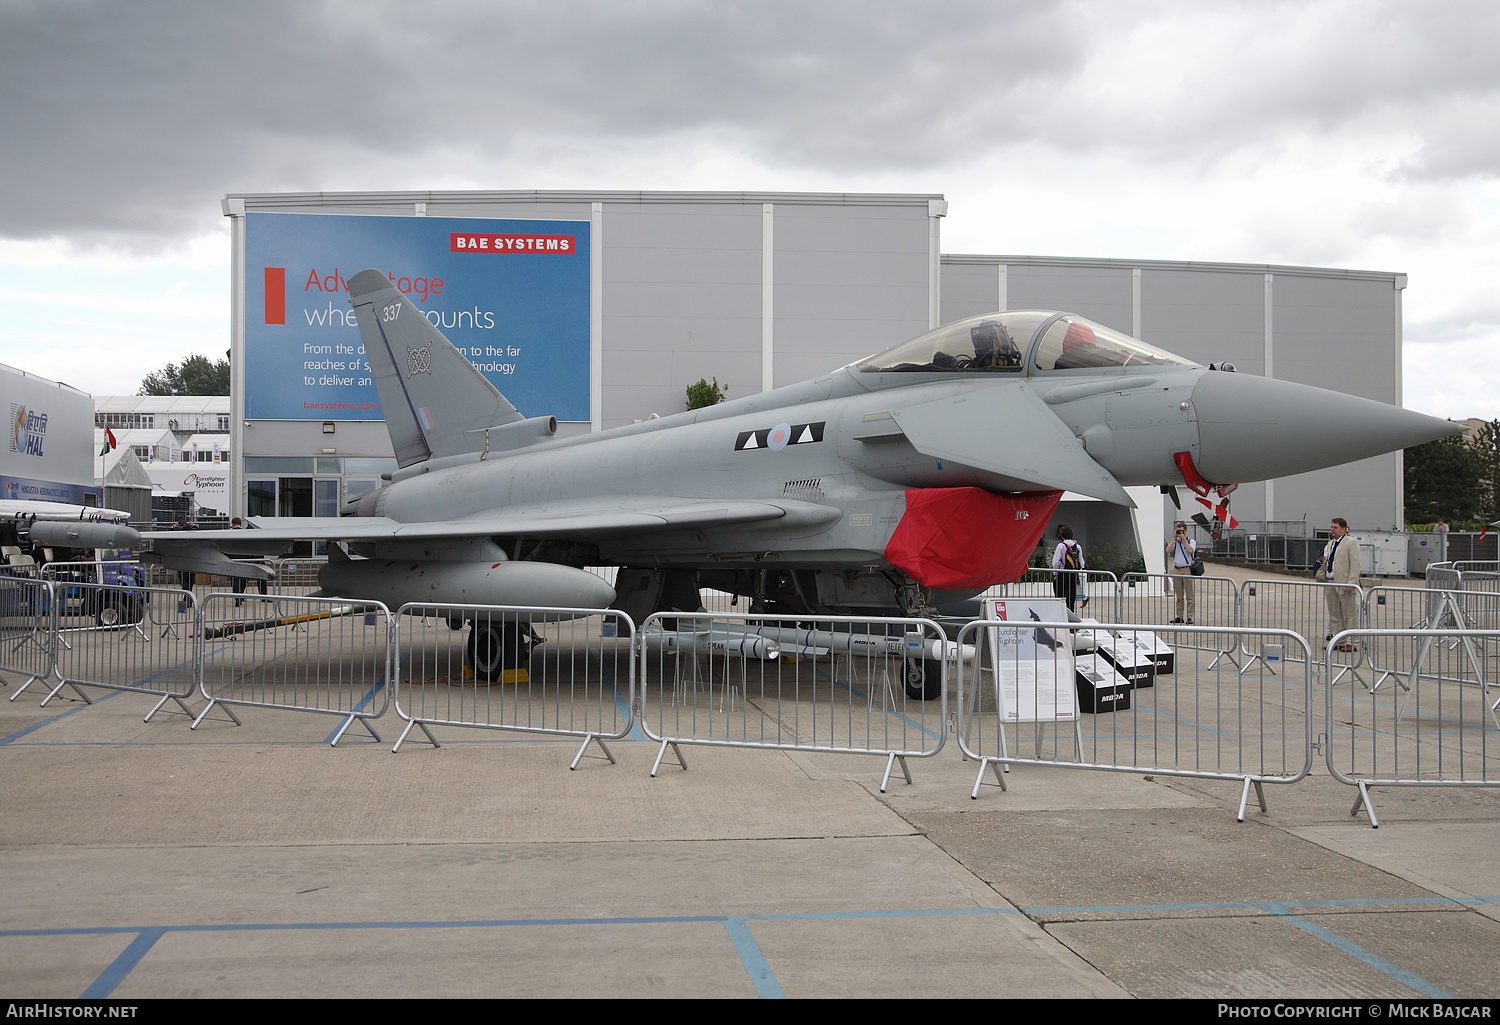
(390,313)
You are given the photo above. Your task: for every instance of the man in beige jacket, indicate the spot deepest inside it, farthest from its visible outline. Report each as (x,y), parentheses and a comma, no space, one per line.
(1341,567)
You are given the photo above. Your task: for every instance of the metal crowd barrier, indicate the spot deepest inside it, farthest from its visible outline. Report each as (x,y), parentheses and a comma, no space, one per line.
(1300,607)
(28,637)
(1397,608)
(1099,586)
(1147,598)
(118,655)
(554,671)
(837,684)
(1303,552)
(1183,716)
(81,570)
(1474,580)
(294,577)
(326,655)
(1444,577)
(1437,728)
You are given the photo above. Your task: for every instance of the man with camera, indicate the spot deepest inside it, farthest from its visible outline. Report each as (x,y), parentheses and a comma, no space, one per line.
(1183,552)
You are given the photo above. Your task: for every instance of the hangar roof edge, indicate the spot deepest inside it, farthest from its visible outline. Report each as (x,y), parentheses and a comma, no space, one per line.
(282,200)
(975,259)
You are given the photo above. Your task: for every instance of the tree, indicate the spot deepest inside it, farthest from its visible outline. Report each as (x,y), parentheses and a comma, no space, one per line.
(1444,478)
(196,376)
(1486,446)
(705,394)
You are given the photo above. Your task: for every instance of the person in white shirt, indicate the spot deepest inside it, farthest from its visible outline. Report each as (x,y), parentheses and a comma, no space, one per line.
(1065,585)
(1183,552)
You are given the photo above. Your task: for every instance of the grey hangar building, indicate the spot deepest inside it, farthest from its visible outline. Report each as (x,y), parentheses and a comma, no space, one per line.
(761,290)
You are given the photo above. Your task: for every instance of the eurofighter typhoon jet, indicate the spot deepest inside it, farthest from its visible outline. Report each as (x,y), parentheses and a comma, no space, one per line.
(920,475)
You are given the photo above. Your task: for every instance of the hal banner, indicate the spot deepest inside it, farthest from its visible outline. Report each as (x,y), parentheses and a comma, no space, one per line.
(512,295)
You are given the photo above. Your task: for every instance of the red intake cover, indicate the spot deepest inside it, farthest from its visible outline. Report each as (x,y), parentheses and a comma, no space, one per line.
(953,539)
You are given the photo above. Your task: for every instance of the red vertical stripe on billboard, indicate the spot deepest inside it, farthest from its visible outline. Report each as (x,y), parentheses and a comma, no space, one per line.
(275,295)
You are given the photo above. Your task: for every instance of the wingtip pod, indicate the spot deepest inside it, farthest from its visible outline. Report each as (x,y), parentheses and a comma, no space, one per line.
(1255,428)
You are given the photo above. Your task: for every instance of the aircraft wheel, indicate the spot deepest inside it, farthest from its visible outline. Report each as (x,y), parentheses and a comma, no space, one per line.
(924,679)
(494,649)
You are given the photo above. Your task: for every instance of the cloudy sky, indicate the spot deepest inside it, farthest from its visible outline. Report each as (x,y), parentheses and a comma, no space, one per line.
(1346,134)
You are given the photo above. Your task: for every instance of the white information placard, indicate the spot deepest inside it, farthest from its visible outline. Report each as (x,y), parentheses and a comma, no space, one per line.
(1032,666)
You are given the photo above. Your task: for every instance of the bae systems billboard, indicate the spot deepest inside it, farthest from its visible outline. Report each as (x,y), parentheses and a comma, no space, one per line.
(512,295)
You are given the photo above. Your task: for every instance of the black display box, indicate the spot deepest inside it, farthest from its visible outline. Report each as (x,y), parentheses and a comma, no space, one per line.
(1152,646)
(1100,687)
(1138,668)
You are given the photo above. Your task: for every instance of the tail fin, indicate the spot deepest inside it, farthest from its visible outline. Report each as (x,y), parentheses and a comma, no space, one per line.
(435,403)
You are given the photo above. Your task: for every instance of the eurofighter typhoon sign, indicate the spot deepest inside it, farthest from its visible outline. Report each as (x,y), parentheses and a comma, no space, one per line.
(512,295)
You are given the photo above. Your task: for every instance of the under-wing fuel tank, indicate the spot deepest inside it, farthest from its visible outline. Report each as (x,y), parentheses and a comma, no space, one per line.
(399,581)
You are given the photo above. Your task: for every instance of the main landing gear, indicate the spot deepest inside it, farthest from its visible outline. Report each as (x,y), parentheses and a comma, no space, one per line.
(496,646)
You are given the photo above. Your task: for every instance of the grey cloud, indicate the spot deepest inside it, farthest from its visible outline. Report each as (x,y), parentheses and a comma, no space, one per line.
(132,118)
(128,121)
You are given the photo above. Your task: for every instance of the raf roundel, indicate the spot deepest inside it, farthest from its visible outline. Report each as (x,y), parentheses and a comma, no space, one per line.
(779,436)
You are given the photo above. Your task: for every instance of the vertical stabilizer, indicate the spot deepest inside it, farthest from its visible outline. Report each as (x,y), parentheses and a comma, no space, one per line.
(435,402)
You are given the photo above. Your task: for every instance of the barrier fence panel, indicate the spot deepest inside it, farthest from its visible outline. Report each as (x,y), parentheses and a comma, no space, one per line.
(1478,578)
(558,671)
(1303,552)
(1096,588)
(98,601)
(1201,601)
(294,576)
(1444,577)
(1301,607)
(109,649)
(326,655)
(837,684)
(1268,548)
(28,637)
(1410,608)
(1135,698)
(1438,728)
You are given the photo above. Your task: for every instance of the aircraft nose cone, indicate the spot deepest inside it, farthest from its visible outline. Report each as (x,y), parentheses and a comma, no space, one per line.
(1252,428)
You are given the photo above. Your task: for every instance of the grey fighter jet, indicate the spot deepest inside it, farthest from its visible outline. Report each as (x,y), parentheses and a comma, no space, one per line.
(919,475)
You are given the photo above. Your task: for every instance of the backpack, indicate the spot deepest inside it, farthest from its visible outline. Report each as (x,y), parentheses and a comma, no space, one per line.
(1072,559)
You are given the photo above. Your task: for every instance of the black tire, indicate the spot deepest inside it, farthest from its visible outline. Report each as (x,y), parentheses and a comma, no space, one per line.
(924,679)
(495,647)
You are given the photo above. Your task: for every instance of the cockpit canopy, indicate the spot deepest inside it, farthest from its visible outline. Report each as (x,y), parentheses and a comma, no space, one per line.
(997,343)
